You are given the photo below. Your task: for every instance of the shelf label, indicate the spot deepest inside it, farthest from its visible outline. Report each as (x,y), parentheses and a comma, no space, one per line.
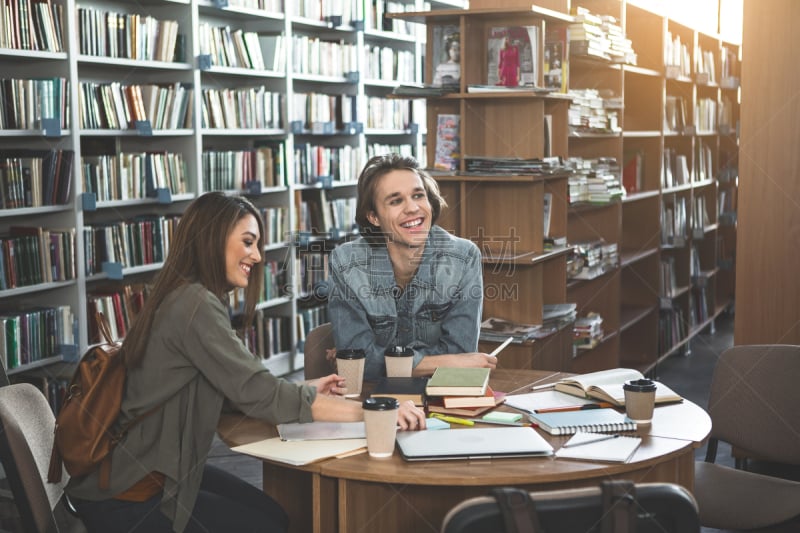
(326,181)
(296,127)
(323,128)
(221,3)
(144,128)
(665,303)
(51,127)
(702,78)
(204,61)
(334,20)
(69,352)
(164,195)
(672,72)
(352,77)
(357,25)
(113,270)
(413,128)
(336,234)
(88,201)
(352,128)
(253,187)
(303,238)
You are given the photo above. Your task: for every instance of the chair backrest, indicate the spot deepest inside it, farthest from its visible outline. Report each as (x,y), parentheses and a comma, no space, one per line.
(653,508)
(26,440)
(753,401)
(318,341)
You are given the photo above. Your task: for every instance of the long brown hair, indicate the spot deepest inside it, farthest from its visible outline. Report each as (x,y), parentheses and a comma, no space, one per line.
(197,254)
(368,181)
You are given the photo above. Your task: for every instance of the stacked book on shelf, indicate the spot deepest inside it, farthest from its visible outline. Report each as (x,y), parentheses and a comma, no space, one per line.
(461,391)
(594,111)
(554,318)
(513,165)
(587,332)
(589,260)
(596,181)
(600,37)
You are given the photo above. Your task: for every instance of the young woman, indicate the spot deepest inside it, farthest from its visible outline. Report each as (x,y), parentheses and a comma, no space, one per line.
(406,281)
(183,357)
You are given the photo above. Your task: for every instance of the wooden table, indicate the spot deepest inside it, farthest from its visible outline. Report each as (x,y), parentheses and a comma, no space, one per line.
(358,494)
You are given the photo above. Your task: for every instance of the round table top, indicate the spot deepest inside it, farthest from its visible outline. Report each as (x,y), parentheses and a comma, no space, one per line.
(676,429)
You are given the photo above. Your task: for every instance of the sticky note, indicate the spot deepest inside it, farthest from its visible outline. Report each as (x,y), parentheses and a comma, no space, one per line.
(435,423)
(503,417)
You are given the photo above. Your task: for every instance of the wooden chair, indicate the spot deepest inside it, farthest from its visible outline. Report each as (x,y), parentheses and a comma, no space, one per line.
(26,440)
(753,406)
(618,506)
(318,341)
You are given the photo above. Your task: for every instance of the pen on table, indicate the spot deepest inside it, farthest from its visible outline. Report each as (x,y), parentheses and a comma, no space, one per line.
(452,419)
(498,422)
(582,407)
(500,348)
(598,439)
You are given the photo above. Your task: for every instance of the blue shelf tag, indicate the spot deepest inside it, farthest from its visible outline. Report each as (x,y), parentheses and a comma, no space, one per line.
(144,128)
(353,128)
(334,20)
(336,234)
(113,270)
(253,187)
(303,238)
(413,128)
(68,351)
(352,77)
(88,201)
(296,127)
(51,127)
(323,128)
(204,61)
(164,195)
(358,25)
(221,3)
(326,181)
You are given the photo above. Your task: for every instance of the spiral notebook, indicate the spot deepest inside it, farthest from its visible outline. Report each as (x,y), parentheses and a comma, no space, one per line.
(593,420)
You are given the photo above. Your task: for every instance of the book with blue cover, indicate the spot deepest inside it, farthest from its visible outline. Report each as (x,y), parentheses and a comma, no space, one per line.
(604,420)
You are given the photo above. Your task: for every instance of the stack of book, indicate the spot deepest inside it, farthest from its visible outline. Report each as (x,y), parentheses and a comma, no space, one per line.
(461,391)
(592,259)
(588,331)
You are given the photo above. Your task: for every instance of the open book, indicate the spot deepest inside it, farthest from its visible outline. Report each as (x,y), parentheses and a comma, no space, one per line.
(606,385)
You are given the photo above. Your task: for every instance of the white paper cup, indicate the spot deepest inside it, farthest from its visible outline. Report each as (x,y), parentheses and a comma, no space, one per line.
(350,366)
(380,420)
(399,361)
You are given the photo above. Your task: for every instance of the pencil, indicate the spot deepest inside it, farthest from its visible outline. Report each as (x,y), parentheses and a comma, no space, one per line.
(500,348)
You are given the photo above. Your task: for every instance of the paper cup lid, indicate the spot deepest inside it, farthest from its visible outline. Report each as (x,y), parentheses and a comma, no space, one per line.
(350,353)
(380,403)
(640,385)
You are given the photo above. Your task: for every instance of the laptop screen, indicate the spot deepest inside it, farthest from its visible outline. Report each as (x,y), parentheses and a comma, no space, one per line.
(472,443)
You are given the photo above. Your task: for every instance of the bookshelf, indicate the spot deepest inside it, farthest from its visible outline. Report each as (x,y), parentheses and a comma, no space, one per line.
(279,101)
(671,125)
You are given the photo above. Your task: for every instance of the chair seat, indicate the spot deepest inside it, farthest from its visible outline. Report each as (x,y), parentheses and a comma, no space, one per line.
(736,499)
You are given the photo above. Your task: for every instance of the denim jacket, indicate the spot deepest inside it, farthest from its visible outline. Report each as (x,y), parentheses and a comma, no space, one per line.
(439,311)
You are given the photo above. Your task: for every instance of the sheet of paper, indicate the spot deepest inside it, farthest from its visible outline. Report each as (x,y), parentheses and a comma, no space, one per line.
(322,431)
(546,399)
(301,452)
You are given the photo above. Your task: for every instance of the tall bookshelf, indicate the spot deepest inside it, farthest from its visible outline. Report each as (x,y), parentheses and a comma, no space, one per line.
(295,152)
(675,128)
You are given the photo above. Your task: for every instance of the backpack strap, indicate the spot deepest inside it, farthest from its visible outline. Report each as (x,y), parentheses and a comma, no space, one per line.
(619,506)
(518,510)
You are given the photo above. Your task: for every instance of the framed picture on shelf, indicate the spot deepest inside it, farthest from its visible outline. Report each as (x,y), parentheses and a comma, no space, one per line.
(446,58)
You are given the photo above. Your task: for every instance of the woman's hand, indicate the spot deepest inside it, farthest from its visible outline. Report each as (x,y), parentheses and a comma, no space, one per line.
(410,417)
(332,385)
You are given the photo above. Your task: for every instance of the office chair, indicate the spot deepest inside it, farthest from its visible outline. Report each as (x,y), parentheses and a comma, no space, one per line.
(615,506)
(753,406)
(318,341)
(26,440)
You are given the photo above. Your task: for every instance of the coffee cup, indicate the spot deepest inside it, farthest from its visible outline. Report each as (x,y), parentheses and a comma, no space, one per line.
(399,361)
(640,400)
(380,420)
(350,366)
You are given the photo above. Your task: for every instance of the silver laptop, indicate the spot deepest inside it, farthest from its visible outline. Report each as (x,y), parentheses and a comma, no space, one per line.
(472,443)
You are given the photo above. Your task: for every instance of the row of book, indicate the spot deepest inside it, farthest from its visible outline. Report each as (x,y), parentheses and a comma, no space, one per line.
(312,269)
(27,104)
(671,328)
(389,113)
(119,305)
(595,181)
(245,108)
(32,25)
(388,64)
(318,113)
(591,259)
(312,55)
(126,35)
(226,170)
(319,215)
(313,163)
(241,49)
(33,255)
(269,335)
(375,16)
(141,241)
(35,178)
(674,222)
(677,55)
(133,175)
(28,336)
(667,277)
(345,10)
(699,305)
(117,106)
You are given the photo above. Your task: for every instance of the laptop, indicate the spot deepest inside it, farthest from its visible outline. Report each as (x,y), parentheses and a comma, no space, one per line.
(472,443)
